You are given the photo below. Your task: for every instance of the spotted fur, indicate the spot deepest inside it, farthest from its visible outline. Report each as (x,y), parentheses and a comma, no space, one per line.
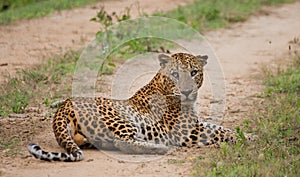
(156,118)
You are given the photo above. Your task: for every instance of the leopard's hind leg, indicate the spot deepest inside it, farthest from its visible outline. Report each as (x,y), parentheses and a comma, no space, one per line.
(141,147)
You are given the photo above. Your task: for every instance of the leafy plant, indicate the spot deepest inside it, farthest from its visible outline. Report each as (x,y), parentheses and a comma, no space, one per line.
(108,38)
(106,19)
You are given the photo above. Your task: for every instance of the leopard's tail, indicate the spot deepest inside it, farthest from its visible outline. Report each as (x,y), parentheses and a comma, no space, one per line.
(38,153)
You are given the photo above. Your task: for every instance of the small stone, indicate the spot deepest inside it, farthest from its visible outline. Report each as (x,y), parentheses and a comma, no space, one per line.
(26,131)
(219,164)
(261,157)
(26,156)
(215,101)
(235,111)
(6,150)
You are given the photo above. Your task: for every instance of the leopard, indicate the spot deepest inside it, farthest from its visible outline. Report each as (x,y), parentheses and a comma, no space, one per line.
(158,117)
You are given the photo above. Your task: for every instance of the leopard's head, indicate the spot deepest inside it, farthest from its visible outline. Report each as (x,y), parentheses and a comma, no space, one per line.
(186,73)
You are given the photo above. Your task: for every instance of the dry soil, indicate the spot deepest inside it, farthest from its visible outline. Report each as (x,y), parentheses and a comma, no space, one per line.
(242,49)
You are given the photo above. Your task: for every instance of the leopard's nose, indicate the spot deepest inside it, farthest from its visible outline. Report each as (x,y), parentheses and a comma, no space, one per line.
(186,92)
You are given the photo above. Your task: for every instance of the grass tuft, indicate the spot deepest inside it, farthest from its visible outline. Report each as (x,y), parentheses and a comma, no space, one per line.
(30,86)
(9,147)
(12,10)
(277,124)
(212,14)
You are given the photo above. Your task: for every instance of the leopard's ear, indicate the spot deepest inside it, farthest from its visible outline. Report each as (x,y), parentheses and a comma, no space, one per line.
(163,59)
(202,59)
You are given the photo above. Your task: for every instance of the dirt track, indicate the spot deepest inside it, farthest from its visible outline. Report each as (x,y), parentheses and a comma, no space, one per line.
(29,43)
(242,49)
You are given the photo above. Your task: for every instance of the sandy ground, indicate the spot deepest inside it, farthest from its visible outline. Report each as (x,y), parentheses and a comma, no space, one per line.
(29,43)
(242,49)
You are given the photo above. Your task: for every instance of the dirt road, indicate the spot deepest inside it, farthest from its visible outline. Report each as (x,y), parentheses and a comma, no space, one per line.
(242,49)
(28,43)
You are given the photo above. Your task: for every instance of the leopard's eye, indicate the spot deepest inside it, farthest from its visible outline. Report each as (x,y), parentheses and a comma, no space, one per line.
(194,72)
(175,75)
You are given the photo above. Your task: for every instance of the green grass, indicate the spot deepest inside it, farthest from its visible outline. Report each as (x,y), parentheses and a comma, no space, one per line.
(276,152)
(8,147)
(12,10)
(19,92)
(212,14)
(38,84)
(277,124)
